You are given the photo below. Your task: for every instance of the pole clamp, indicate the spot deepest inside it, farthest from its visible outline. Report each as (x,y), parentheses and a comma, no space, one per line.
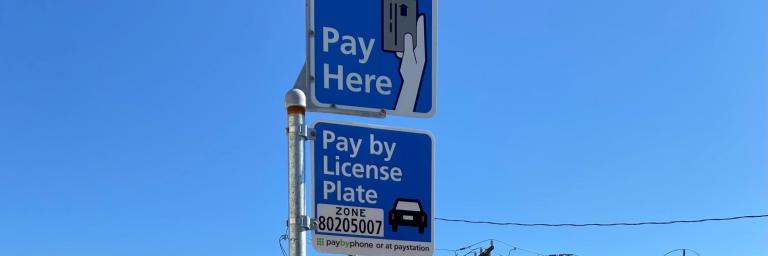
(304,131)
(303,221)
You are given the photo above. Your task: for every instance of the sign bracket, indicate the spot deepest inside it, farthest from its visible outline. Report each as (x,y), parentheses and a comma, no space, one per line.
(312,224)
(308,133)
(302,221)
(302,84)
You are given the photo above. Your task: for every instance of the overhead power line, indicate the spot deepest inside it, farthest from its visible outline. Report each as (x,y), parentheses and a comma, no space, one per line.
(472,247)
(601,224)
(516,248)
(284,236)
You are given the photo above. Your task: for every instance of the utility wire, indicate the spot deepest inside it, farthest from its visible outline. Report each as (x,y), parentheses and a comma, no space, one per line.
(284,236)
(466,247)
(471,248)
(601,224)
(514,247)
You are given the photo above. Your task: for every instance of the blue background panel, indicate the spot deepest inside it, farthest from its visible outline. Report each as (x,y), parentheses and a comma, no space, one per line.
(413,154)
(346,17)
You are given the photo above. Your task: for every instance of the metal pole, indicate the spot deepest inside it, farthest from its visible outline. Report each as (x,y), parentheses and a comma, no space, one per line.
(296,104)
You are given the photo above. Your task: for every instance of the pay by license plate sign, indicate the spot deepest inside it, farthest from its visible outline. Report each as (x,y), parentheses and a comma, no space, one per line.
(372,190)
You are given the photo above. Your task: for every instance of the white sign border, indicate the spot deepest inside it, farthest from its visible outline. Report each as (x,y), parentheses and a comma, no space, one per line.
(312,185)
(310,25)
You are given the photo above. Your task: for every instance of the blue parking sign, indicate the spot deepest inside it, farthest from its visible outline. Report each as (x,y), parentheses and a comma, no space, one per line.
(372,190)
(374,55)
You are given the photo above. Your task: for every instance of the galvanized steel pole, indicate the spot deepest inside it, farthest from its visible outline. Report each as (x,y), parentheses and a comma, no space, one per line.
(296,104)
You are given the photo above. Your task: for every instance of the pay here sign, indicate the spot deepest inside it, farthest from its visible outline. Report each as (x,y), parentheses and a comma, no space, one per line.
(374,55)
(373,190)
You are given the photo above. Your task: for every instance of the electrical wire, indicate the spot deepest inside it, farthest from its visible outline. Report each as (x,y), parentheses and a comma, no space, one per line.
(469,246)
(515,247)
(282,237)
(480,249)
(601,224)
(684,250)
(472,248)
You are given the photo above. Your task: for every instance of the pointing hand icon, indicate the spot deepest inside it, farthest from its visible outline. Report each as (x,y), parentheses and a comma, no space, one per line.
(412,61)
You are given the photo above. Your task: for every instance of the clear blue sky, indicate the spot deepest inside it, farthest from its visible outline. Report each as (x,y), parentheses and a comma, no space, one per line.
(156,127)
